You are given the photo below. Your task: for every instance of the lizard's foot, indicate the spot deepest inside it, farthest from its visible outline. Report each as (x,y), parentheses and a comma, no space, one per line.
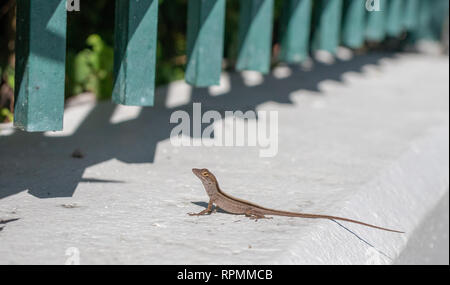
(256,217)
(196,214)
(202,213)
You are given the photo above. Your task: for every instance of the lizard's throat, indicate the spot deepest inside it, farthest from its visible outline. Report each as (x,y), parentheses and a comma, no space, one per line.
(211,187)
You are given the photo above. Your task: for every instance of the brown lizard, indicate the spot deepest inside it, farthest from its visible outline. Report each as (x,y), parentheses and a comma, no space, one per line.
(237,206)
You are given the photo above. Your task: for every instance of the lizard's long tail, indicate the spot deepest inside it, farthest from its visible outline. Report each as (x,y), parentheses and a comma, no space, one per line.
(311,216)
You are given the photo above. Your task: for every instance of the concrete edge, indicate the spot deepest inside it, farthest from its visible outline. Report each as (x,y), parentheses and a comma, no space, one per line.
(399,197)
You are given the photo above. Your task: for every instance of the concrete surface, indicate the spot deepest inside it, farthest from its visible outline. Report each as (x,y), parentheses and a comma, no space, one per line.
(429,244)
(365,138)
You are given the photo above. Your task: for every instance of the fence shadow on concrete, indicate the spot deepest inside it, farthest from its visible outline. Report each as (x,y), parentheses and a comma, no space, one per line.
(43,165)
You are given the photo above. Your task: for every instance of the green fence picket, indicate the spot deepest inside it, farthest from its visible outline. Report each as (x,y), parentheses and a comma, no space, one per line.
(431,19)
(376,23)
(295,30)
(255,35)
(411,15)
(205,42)
(40,65)
(136,24)
(395,12)
(328,16)
(354,23)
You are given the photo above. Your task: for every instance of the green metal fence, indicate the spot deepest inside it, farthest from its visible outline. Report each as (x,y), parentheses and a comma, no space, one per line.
(306,25)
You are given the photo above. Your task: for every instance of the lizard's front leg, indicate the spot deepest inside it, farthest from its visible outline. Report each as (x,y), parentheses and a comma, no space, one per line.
(207,211)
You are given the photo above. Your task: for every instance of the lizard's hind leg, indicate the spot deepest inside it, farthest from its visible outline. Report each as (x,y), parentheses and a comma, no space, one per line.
(256,217)
(202,213)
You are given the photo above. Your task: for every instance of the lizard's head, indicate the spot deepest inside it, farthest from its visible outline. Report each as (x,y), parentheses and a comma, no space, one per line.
(205,176)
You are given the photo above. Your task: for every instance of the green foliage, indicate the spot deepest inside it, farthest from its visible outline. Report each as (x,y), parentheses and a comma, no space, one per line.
(9,74)
(92,69)
(6,115)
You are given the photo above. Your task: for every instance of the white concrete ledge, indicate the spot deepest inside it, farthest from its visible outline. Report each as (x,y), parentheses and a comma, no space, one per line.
(366,138)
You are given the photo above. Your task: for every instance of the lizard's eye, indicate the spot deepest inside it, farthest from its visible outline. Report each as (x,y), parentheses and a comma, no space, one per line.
(205,174)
